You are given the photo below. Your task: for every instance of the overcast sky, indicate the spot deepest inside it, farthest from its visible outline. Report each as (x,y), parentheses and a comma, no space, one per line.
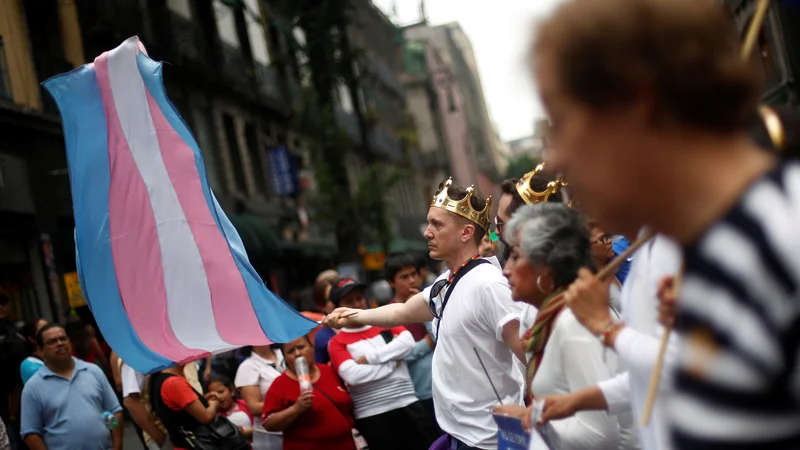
(500,34)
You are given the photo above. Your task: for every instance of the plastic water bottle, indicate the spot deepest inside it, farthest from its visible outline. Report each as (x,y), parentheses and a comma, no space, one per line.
(303,375)
(110,420)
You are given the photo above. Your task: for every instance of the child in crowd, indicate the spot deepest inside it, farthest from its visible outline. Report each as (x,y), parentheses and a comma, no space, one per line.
(233,408)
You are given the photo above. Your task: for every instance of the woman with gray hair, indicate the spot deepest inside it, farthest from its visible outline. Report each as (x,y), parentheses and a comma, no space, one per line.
(549,244)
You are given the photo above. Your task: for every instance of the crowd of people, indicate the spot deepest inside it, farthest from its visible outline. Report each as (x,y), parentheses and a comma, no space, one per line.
(654,142)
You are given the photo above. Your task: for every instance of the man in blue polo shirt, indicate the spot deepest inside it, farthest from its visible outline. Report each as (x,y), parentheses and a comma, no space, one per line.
(64,402)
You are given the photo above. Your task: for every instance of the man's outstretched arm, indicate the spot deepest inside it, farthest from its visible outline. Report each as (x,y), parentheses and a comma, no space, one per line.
(415,310)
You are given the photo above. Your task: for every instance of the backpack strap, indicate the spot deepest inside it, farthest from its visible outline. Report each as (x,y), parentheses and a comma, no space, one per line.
(471,265)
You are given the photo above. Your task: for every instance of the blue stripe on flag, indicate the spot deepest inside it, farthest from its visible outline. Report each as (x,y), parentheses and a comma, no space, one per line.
(85,133)
(279,321)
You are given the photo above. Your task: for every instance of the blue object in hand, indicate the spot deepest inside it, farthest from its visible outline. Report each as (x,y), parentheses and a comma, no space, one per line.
(110,420)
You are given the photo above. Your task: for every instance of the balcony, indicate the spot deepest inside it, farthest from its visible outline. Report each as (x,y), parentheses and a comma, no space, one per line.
(416,160)
(385,144)
(294,92)
(434,160)
(234,68)
(185,41)
(269,84)
(348,122)
(386,75)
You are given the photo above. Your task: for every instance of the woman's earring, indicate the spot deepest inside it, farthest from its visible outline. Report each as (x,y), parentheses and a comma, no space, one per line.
(539,285)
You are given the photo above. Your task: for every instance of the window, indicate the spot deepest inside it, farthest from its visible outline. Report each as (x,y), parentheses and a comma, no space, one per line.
(299,46)
(233,151)
(180,7)
(345,101)
(5,82)
(205,141)
(255,157)
(256,33)
(226,23)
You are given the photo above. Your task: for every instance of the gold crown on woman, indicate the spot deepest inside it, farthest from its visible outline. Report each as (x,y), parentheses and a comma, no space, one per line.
(531,196)
(463,207)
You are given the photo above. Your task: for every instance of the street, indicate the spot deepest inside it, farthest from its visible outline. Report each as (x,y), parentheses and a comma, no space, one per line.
(131,440)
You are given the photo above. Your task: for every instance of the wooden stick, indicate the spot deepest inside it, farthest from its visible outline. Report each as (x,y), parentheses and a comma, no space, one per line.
(611,268)
(755,28)
(655,377)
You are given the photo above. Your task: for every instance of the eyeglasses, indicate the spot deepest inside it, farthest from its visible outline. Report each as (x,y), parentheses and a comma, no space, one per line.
(436,291)
(499,225)
(604,239)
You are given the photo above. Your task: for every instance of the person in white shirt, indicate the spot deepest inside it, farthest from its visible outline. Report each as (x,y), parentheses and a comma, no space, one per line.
(636,343)
(479,315)
(132,391)
(549,244)
(253,379)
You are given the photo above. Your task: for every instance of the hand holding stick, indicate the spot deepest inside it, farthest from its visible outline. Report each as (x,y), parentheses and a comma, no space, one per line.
(655,378)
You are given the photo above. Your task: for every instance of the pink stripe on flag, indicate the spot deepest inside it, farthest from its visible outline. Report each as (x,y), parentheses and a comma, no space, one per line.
(235,318)
(134,239)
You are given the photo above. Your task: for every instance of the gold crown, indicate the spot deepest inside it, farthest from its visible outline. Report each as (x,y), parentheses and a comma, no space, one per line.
(463,207)
(529,195)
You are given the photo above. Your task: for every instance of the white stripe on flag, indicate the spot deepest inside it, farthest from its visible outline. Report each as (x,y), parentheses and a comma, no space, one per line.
(188,296)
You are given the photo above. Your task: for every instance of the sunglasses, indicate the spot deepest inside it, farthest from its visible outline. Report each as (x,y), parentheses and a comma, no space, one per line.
(436,292)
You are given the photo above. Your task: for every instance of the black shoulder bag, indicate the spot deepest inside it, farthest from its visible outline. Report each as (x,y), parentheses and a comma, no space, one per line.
(464,270)
(220,434)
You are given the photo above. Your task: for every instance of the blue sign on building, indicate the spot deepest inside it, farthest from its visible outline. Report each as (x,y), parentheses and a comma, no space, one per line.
(283,171)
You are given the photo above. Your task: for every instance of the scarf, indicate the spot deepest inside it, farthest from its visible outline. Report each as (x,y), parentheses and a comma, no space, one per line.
(535,339)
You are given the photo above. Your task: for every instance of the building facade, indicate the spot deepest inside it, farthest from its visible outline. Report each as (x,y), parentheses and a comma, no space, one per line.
(474,152)
(227,76)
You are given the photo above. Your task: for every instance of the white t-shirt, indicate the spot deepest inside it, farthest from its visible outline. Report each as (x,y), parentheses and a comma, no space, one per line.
(257,371)
(132,381)
(478,309)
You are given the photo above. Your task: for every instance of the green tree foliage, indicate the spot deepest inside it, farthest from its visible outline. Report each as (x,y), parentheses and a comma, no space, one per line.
(321,21)
(520,165)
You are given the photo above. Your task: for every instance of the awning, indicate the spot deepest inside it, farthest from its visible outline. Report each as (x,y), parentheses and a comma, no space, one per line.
(258,239)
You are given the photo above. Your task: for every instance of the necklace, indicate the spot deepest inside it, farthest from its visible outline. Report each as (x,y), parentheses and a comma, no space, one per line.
(454,273)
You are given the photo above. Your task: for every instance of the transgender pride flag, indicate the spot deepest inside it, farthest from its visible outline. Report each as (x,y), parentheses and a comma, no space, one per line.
(162,268)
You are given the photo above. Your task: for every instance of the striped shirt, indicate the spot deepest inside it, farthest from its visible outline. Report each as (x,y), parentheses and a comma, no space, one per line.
(382,384)
(738,385)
